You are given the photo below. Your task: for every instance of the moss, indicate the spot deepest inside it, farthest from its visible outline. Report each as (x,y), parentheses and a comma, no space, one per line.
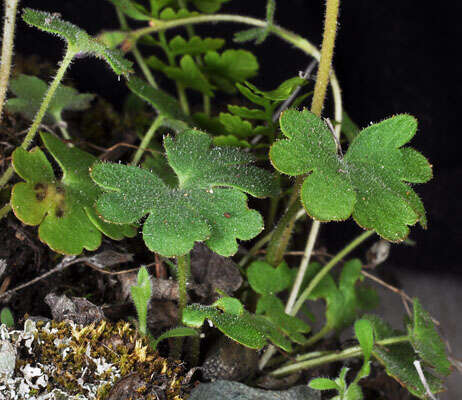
(92,359)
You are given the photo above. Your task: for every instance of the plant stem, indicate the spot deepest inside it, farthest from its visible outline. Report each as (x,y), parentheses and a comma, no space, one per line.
(327,52)
(136,53)
(282,233)
(147,139)
(325,270)
(144,68)
(63,66)
(7,49)
(351,352)
(183,263)
(292,38)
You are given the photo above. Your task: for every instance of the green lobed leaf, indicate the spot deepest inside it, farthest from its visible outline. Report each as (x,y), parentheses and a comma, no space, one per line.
(63,208)
(427,342)
(208,204)
(368,183)
(190,76)
(156,63)
(247,113)
(162,102)
(194,46)
(181,331)
(349,128)
(258,34)
(365,334)
(398,361)
(132,9)
(265,279)
(343,303)
(208,6)
(282,92)
(239,325)
(141,294)
(229,305)
(30,91)
(77,39)
(230,67)
(158,164)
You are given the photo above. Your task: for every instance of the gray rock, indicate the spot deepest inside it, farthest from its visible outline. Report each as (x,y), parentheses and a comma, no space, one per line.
(227,390)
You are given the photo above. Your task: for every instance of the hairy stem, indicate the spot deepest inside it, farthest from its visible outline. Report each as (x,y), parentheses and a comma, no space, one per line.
(147,139)
(325,270)
(63,66)
(136,53)
(183,263)
(351,352)
(7,49)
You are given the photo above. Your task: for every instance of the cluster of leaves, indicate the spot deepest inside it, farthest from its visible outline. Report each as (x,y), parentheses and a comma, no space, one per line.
(367,183)
(422,343)
(63,207)
(208,204)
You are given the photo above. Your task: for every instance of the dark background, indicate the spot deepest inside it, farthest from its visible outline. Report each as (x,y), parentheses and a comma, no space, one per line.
(391,57)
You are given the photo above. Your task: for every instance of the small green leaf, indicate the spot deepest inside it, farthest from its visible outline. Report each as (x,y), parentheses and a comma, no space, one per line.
(78,40)
(236,125)
(208,6)
(258,34)
(6,317)
(323,384)
(248,113)
(246,91)
(162,102)
(181,331)
(427,342)
(157,5)
(141,294)
(265,279)
(190,76)
(208,204)
(158,164)
(155,63)
(368,183)
(132,9)
(194,46)
(30,91)
(63,208)
(169,14)
(365,335)
(282,92)
(230,67)
(229,305)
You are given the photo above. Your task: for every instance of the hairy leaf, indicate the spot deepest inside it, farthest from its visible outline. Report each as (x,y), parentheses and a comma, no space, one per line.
(230,67)
(30,91)
(78,40)
(194,46)
(368,183)
(239,325)
(63,208)
(141,294)
(398,360)
(427,342)
(208,204)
